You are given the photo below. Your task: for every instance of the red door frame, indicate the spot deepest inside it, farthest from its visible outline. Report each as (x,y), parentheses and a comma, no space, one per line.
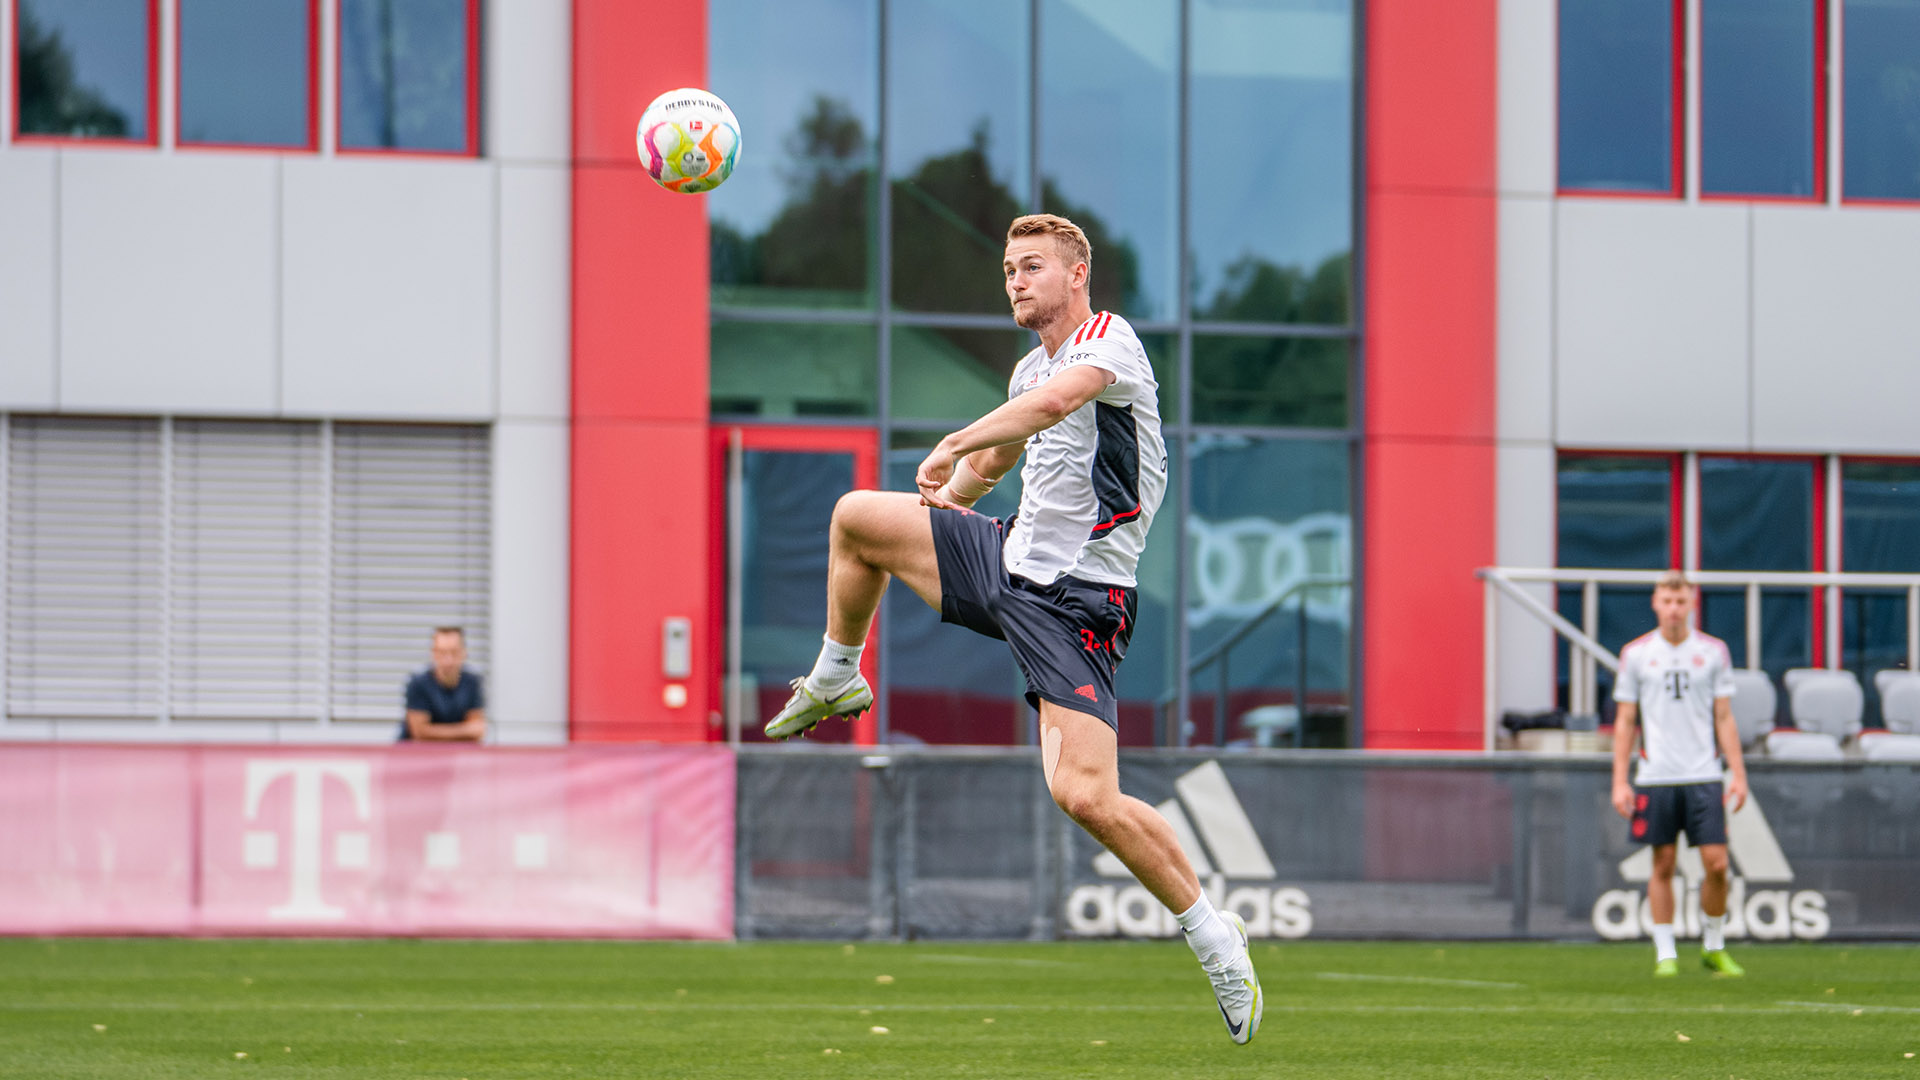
(864,444)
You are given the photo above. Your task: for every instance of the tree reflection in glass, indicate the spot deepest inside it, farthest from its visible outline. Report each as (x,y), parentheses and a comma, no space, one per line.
(83,69)
(795,227)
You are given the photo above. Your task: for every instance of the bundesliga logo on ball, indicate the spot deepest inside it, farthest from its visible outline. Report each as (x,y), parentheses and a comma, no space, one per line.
(688,141)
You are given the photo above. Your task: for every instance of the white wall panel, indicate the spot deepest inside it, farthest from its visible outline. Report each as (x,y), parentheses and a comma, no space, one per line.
(167,282)
(527,683)
(529,74)
(1836,330)
(535,291)
(1529,52)
(27,277)
(1525,385)
(389,277)
(1525,480)
(1651,343)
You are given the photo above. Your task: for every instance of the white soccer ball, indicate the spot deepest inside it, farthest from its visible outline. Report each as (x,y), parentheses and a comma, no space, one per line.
(688,140)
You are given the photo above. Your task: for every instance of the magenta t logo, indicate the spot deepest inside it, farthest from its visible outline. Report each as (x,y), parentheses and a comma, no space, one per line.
(262,849)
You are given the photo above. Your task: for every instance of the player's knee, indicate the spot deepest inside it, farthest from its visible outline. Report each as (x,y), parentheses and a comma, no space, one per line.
(1664,860)
(1085,804)
(1714,861)
(853,514)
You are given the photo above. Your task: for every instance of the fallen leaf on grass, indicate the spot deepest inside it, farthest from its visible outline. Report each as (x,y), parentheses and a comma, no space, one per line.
(989,1020)
(829,1050)
(238,1054)
(1681,1037)
(1859,1012)
(877,1030)
(883,979)
(1099,1042)
(99,1027)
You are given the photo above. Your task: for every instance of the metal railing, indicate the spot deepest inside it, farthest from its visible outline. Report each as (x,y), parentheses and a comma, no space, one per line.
(1588,654)
(1219,651)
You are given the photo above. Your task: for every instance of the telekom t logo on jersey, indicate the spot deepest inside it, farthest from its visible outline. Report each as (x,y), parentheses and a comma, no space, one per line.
(306,786)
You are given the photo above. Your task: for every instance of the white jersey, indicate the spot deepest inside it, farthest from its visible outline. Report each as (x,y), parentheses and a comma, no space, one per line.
(1092,482)
(1675,687)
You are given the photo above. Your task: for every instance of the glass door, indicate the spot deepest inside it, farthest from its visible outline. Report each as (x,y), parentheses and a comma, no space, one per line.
(777,488)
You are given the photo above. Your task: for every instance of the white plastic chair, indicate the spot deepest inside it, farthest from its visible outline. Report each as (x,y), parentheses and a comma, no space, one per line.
(1755,703)
(1788,745)
(1830,703)
(1899,700)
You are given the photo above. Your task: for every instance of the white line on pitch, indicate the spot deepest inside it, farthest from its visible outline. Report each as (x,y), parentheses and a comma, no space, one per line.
(1788,1009)
(1849,1008)
(1419,980)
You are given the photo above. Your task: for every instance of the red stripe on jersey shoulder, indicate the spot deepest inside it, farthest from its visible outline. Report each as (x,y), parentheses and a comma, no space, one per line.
(1629,646)
(1106,319)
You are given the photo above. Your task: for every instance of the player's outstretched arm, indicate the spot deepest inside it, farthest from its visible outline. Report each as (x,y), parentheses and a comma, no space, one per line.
(1625,726)
(1036,410)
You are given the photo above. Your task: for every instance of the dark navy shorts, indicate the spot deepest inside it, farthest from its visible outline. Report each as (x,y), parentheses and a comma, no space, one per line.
(1068,637)
(1661,812)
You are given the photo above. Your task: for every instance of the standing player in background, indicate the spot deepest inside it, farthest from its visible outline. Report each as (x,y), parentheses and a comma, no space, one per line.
(1057,583)
(1676,683)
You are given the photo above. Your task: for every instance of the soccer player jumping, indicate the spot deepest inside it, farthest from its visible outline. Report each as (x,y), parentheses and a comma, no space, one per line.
(1677,684)
(1056,583)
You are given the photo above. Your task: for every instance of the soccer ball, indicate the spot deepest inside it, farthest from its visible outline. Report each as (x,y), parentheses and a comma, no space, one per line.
(688,141)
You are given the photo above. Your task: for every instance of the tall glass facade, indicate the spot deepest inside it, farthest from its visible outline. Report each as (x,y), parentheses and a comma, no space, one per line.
(856,281)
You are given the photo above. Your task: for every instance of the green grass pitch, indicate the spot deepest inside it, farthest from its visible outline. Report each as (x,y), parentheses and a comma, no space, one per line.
(157,1009)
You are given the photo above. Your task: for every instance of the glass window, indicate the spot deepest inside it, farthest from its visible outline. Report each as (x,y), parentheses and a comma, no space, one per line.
(1109,103)
(1619,92)
(244,75)
(406,78)
(783,370)
(84,68)
(957,375)
(1880,530)
(788,498)
(1149,678)
(1250,541)
(1271,129)
(958,140)
(1613,513)
(802,75)
(1758,95)
(1881,97)
(1758,515)
(1287,382)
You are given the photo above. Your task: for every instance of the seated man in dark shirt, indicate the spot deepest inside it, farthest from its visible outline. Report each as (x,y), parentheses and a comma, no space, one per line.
(445,701)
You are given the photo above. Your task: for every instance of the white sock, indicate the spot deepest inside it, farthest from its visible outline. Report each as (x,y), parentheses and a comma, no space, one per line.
(837,666)
(1208,935)
(1663,942)
(1713,932)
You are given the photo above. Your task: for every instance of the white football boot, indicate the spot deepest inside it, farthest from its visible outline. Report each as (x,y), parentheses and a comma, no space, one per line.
(1236,989)
(803,710)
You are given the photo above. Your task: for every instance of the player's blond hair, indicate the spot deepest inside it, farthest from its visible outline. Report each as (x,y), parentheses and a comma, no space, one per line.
(1673,579)
(1072,242)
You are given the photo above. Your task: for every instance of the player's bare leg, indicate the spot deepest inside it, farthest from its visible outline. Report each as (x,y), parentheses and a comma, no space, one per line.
(1660,902)
(1080,756)
(875,537)
(1713,912)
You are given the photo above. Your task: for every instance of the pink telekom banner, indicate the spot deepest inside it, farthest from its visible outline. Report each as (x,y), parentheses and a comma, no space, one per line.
(630,842)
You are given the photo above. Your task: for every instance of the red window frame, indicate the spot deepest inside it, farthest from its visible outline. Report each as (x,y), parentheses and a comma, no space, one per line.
(472,147)
(153,91)
(1840,54)
(1817,554)
(1821,70)
(1676,496)
(312,145)
(1677,163)
(861,442)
